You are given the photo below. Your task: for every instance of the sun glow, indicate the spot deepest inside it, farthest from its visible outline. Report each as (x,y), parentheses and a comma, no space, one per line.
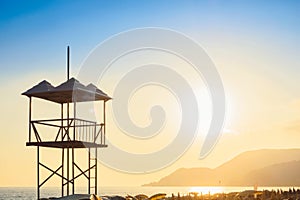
(231,112)
(206,190)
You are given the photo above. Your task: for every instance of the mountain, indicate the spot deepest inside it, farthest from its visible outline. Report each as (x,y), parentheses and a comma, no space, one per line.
(268,167)
(183,177)
(283,174)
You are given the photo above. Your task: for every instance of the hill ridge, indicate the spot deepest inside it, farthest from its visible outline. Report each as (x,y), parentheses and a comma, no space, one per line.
(238,171)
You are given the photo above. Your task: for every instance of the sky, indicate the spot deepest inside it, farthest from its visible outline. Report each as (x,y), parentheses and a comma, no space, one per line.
(253,44)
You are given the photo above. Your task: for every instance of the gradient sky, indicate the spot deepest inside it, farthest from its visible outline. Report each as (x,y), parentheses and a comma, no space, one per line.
(254,44)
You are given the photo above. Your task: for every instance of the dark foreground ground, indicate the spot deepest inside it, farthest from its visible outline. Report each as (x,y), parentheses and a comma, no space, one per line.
(292,194)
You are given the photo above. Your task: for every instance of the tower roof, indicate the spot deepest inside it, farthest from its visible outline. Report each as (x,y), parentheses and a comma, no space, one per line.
(70,91)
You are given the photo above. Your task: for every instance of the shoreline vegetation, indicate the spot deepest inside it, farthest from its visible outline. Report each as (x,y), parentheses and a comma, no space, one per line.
(291,194)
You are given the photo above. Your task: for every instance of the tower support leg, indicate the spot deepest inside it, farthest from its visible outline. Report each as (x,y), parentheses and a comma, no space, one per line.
(89,172)
(38,172)
(73,173)
(96,149)
(62,171)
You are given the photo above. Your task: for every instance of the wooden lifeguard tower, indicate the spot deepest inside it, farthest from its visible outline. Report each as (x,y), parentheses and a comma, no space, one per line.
(71,132)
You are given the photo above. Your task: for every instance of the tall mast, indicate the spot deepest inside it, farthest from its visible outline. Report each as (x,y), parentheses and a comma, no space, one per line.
(68,63)
(68,116)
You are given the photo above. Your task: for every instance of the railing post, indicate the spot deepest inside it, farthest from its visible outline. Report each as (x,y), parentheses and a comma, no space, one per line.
(104,121)
(95,129)
(74,123)
(29,119)
(85,131)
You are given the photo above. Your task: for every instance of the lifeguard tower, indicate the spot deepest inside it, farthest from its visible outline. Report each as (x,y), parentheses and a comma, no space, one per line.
(70,132)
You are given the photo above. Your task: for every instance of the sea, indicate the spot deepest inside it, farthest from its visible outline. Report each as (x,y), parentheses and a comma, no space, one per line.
(29,193)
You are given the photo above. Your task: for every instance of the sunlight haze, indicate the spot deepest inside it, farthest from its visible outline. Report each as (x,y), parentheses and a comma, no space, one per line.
(254,45)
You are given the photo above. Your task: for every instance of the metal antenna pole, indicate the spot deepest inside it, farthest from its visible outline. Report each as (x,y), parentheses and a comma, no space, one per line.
(68,63)
(68,116)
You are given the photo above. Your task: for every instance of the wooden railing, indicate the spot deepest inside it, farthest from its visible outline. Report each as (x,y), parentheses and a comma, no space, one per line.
(72,129)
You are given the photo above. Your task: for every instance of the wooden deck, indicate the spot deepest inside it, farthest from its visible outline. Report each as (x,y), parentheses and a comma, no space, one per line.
(66,144)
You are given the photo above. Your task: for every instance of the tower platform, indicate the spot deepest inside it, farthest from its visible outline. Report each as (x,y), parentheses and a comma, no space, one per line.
(66,144)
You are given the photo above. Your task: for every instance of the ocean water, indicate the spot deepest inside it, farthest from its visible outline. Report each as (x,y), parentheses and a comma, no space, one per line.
(29,193)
